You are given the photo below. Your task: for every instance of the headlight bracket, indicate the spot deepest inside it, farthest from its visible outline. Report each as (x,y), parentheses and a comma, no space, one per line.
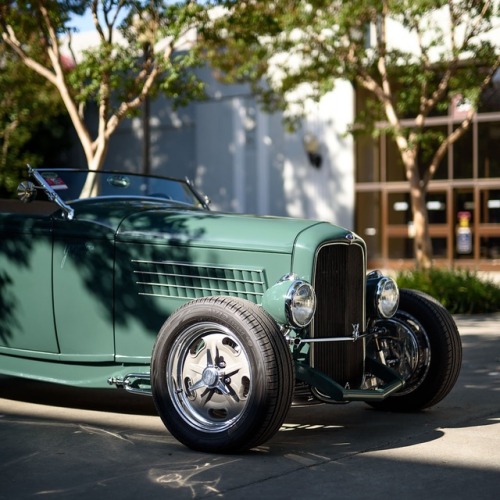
(291,301)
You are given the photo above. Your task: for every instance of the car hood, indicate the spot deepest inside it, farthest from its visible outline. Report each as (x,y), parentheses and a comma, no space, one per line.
(212,229)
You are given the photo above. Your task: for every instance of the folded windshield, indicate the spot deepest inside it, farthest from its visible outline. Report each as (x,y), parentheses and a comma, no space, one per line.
(73,185)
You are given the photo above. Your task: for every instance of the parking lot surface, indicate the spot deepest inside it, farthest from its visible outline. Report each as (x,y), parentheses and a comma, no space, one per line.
(60,442)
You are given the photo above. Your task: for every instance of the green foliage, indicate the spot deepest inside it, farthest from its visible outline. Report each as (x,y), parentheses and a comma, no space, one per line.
(139,51)
(118,71)
(318,41)
(460,291)
(31,122)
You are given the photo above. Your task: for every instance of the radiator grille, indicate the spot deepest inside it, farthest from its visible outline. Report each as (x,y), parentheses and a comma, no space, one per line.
(339,284)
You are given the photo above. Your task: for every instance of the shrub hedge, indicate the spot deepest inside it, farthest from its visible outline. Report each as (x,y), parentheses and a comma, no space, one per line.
(461,291)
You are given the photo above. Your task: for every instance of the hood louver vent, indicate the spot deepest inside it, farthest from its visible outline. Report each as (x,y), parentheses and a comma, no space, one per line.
(189,281)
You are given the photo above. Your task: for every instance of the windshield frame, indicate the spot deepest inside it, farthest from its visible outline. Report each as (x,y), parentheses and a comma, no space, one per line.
(113,185)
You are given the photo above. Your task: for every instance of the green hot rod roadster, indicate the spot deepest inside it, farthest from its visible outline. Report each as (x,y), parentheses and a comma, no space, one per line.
(120,280)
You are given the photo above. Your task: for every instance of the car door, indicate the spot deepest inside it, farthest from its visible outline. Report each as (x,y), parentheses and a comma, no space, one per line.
(26,317)
(83,289)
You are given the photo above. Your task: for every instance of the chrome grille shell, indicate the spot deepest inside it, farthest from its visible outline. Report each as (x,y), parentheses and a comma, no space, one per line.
(339,282)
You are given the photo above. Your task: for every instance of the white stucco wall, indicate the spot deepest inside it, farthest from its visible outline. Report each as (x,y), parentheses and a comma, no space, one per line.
(247,161)
(244,159)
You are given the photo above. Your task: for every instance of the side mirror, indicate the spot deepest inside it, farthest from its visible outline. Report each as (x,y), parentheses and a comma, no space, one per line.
(26,192)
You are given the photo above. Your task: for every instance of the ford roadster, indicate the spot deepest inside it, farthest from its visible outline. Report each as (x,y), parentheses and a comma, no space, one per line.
(120,280)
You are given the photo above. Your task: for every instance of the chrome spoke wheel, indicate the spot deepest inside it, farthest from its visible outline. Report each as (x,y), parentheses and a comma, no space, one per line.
(422,344)
(209,376)
(406,349)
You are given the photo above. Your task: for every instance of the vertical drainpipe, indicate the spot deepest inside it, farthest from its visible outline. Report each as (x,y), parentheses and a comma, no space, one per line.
(239,201)
(146,125)
(263,154)
(146,138)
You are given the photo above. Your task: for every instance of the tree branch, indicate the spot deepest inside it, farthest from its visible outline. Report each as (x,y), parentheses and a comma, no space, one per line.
(11,40)
(125,107)
(60,82)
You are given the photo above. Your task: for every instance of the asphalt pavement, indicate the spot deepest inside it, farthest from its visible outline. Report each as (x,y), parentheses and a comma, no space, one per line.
(60,442)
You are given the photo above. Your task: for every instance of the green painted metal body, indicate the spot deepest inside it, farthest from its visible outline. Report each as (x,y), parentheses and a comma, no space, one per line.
(82,300)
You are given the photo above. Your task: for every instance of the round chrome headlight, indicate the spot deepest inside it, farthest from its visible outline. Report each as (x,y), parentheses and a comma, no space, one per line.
(300,303)
(387,297)
(291,301)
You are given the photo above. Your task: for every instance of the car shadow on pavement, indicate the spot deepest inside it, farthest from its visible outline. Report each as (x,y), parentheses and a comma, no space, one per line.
(473,402)
(104,400)
(92,447)
(476,393)
(478,386)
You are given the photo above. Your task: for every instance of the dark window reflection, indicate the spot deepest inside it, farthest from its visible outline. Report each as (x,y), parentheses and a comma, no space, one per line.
(462,157)
(488,150)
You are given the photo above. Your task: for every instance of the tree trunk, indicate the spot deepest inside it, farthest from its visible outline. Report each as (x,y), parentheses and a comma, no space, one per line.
(95,163)
(421,236)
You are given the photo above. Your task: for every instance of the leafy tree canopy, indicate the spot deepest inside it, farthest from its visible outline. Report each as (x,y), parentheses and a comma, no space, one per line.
(139,50)
(412,58)
(417,53)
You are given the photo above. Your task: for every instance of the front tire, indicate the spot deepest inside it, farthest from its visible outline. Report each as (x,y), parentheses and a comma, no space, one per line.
(222,375)
(423,345)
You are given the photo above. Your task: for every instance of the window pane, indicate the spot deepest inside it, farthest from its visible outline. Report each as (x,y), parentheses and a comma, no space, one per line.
(367,159)
(436,208)
(490,206)
(488,157)
(395,167)
(462,157)
(490,98)
(368,222)
(490,247)
(400,248)
(464,199)
(399,208)
(439,247)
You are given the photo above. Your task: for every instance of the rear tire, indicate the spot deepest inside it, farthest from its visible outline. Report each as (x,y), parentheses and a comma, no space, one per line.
(423,345)
(222,375)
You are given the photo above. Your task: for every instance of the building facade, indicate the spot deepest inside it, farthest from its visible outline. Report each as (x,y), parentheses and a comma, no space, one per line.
(463,199)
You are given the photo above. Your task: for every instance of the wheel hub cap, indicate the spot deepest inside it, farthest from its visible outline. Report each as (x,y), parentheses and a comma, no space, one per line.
(210,377)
